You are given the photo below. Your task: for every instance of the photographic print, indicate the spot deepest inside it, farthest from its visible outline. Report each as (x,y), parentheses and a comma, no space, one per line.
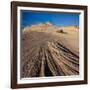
(48,44)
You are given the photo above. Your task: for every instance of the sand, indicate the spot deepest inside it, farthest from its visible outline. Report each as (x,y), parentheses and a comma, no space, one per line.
(46,51)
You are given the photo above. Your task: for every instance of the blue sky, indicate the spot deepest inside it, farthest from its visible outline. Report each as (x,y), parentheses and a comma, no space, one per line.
(59,19)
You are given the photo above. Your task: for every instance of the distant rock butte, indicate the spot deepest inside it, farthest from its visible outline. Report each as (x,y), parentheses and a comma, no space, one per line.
(40,27)
(47,27)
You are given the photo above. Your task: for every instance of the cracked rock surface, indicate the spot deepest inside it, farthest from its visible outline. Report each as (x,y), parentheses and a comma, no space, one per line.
(45,52)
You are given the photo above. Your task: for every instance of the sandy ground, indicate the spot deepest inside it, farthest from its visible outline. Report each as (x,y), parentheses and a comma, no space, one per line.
(47,52)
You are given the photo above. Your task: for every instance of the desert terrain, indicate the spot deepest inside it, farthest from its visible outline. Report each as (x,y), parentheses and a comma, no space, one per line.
(49,50)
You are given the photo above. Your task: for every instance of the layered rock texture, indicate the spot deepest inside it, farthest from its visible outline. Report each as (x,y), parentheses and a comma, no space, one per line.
(49,50)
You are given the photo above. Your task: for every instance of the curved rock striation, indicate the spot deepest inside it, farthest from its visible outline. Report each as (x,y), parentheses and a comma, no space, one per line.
(48,54)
